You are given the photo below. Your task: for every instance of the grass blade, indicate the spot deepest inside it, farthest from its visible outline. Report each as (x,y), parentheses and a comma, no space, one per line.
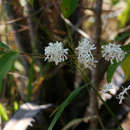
(64,105)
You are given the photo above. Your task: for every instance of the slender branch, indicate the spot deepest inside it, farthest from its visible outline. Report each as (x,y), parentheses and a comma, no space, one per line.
(93,9)
(87,8)
(24,17)
(81,32)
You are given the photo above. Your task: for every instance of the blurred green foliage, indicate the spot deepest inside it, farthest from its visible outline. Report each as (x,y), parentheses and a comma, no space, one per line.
(3,113)
(4,46)
(16,105)
(31,2)
(125,16)
(113,2)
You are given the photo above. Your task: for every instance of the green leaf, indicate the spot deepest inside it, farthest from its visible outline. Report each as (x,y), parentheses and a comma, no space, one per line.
(64,105)
(6,62)
(3,113)
(111,69)
(126,67)
(126,47)
(68,7)
(31,2)
(122,36)
(3,46)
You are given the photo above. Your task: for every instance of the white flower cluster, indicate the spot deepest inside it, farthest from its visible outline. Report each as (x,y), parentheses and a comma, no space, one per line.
(112,51)
(107,88)
(84,52)
(121,95)
(55,52)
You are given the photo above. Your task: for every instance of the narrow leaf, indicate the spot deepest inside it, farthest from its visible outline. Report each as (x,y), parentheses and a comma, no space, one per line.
(4,46)
(68,7)
(64,105)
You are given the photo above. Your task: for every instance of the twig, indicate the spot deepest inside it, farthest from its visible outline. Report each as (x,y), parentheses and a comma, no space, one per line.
(87,8)
(81,32)
(24,17)
(93,9)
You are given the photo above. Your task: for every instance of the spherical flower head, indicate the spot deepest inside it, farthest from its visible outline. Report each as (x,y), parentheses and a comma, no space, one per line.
(84,52)
(55,52)
(112,51)
(85,46)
